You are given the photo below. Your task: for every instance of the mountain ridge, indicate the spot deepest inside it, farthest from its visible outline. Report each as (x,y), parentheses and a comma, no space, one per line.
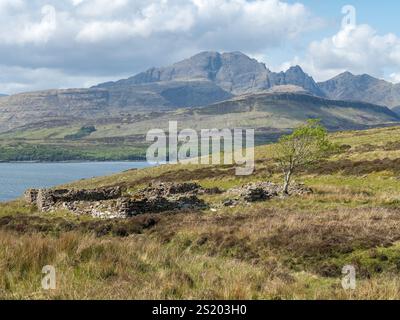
(347,86)
(234,72)
(203,79)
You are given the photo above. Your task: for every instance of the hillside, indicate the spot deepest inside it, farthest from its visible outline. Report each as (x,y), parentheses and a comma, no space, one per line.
(76,104)
(282,248)
(287,110)
(347,86)
(123,137)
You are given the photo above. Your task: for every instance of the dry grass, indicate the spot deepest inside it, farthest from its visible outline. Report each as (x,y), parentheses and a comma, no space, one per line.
(260,254)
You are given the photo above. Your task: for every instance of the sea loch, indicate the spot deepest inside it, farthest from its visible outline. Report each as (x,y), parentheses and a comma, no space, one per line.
(15,178)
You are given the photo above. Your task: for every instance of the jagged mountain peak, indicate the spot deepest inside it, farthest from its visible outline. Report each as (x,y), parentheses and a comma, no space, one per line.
(344,74)
(297,77)
(347,75)
(363,87)
(234,72)
(295,68)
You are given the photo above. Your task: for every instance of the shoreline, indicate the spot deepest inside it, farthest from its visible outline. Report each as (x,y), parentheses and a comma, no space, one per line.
(75,161)
(16,177)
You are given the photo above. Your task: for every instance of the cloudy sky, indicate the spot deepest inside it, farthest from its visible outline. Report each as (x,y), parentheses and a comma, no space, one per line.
(77,43)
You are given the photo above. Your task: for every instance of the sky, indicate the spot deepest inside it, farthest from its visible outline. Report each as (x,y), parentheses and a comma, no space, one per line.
(78,43)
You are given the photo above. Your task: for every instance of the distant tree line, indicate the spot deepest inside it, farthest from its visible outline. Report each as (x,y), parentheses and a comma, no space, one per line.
(59,153)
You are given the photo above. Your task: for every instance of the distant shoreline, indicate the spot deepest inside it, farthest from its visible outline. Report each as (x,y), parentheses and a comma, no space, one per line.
(16,177)
(74,161)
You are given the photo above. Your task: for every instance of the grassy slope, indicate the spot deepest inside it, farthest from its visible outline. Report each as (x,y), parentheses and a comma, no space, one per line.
(280,249)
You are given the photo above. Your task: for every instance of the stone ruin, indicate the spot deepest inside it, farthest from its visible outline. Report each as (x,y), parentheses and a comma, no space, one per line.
(48,199)
(156,198)
(110,203)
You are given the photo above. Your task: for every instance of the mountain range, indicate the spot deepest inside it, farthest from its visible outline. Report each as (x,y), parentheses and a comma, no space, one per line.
(234,72)
(348,86)
(200,81)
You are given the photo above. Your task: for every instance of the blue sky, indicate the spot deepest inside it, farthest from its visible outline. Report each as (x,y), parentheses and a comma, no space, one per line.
(78,43)
(382,15)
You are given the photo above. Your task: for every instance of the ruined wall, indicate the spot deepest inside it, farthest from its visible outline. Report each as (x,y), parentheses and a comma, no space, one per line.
(109,203)
(156,198)
(47,199)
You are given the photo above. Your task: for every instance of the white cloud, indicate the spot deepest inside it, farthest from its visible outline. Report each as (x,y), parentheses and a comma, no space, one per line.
(100,38)
(25,31)
(9,5)
(26,79)
(94,8)
(203,20)
(358,49)
(154,18)
(395,77)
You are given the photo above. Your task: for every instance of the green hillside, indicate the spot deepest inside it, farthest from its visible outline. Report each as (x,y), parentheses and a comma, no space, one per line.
(123,137)
(283,248)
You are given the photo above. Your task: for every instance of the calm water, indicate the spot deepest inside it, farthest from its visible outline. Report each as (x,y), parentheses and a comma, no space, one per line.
(15,178)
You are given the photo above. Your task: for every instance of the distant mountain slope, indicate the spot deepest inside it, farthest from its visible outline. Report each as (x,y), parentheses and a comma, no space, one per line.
(347,86)
(23,109)
(264,111)
(123,137)
(233,72)
(164,95)
(396,109)
(286,110)
(204,79)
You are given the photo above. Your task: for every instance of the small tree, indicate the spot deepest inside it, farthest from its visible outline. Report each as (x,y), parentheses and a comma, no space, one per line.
(305,146)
